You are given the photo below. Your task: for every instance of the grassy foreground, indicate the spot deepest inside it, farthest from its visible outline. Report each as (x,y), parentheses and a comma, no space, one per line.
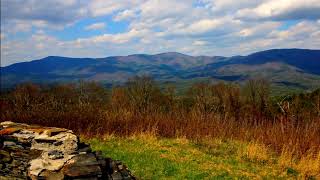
(149,157)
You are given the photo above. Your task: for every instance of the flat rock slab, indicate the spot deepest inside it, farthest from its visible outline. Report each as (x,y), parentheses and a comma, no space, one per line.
(35,152)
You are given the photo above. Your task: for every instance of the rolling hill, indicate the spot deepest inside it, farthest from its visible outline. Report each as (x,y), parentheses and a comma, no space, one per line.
(294,68)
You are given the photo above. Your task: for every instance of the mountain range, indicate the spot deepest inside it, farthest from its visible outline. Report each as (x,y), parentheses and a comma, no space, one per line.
(293,68)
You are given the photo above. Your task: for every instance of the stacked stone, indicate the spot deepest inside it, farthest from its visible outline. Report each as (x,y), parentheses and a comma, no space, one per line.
(35,152)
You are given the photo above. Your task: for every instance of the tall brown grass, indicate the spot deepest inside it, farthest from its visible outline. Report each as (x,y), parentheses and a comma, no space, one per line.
(206,110)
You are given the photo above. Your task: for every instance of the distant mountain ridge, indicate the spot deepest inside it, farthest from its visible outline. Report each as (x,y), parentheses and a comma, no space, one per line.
(300,67)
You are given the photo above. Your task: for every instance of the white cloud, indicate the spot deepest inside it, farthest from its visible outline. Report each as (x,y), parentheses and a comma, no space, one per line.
(203,25)
(199,43)
(156,9)
(196,27)
(283,9)
(259,29)
(222,7)
(54,11)
(304,29)
(125,15)
(22,27)
(2,35)
(106,7)
(116,38)
(96,26)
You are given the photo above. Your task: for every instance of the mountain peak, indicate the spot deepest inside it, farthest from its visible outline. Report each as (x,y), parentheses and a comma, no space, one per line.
(52,57)
(172,54)
(171,65)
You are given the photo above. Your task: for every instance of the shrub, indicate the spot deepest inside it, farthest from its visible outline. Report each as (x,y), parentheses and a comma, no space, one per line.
(207,110)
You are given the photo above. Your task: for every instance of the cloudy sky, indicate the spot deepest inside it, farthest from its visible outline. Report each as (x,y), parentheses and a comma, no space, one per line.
(32,29)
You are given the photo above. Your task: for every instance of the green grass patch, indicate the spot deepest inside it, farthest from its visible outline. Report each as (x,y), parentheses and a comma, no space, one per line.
(158,158)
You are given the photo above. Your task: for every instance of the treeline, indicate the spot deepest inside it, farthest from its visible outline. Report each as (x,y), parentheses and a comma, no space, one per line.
(221,110)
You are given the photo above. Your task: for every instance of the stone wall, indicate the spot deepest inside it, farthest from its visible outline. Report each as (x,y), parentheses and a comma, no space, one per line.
(35,152)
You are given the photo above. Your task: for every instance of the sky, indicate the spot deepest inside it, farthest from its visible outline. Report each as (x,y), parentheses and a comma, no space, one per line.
(33,29)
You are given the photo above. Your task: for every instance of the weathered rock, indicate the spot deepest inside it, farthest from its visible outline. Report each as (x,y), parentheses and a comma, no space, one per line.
(51,175)
(4,156)
(55,154)
(64,141)
(83,165)
(44,162)
(35,152)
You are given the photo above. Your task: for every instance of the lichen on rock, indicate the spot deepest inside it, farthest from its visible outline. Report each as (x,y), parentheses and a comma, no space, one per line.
(35,152)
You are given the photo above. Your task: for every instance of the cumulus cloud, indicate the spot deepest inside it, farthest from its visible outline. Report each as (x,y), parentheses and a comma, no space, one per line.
(283,10)
(259,29)
(125,15)
(157,9)
(21,26)
(119,38)
(300,31)
(222,7)
(199,43)
(196,27)
(96,26)
(103,7)
(56,12)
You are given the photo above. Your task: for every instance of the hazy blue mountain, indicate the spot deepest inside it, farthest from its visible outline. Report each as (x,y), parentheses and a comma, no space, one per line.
(299,68)
(304,59)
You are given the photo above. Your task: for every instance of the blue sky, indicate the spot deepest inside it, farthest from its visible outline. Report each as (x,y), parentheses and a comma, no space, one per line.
(33,29)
